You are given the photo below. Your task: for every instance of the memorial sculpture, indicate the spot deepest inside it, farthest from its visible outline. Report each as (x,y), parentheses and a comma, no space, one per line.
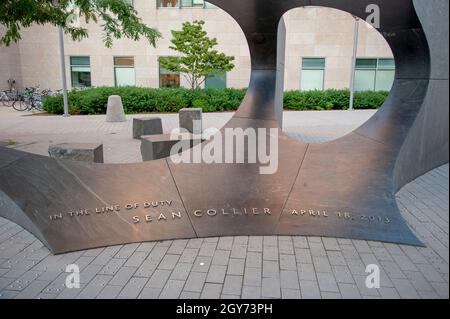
(344,188)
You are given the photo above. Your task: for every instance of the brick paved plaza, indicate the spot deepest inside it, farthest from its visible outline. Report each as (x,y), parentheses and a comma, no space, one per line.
(227,267)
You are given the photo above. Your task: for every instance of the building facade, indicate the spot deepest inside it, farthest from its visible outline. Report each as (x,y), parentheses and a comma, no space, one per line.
(319,47)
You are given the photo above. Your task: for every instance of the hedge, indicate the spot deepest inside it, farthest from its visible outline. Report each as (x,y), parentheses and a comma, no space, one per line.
(149,100)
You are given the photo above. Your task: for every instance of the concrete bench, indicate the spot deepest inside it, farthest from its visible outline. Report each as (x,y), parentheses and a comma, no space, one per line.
(187,118)
(85,152)
(155,147)
(146,126)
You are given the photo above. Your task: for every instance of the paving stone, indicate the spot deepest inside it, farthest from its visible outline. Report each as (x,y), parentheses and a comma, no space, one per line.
(94,287)
(255,243)
(254,259)
(147,268)
(221,257)
(122,276)
(300,242)
(322,264)
(306,272)
(225,243)
(177,247)
(149,293)
(289,279)
(290,293)
(288,262)
(189,255)
(201,264)
(195,282)
(236,267)
(331,295)
(270,253)
(238,251)
(32,290)
(271,288)
(168,262)
(172,289)
(207,249)
(342,274)
(303,256)
(327,282)
(109,292)
(405,289)
(286,246)
(112,267)
(158,279)
(349,291)
(253,276)
(271,269)
(126,251)
(388,293)
(133,288)
(181,271)
(211,291)
(232,285)
(189,295)
(309,289)
(216,274)
(331,244)
(136,259)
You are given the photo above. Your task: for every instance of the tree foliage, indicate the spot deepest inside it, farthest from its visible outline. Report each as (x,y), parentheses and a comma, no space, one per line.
(118,18)
(198,59)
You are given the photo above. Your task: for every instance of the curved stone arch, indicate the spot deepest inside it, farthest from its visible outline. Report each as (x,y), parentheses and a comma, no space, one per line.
(343,188)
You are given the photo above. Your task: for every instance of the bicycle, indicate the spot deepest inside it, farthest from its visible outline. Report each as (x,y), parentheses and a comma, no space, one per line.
(28,101)
(8,96)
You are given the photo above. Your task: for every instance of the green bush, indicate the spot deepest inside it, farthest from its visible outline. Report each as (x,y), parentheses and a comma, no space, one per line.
(149,100)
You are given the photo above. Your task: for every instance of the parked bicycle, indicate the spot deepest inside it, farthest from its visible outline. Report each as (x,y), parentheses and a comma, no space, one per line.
(7,97)
(29,100)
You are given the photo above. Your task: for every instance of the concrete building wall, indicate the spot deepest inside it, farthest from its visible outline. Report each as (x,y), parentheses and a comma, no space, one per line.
(311,32)
(9,64)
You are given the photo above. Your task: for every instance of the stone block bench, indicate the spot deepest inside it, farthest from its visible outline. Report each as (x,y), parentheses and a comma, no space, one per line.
(155,147)
(188,117)
(146,126)
(85,152)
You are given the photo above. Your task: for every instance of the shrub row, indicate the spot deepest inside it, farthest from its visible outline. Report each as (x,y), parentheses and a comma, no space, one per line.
(149,100)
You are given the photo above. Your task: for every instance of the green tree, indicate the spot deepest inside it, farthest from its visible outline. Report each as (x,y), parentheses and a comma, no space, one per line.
(198,60)
(118,18)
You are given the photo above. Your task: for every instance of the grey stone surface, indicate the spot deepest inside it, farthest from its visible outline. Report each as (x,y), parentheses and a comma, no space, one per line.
(84,152)
(114,111)
(190,116)
(146,126)
(154,147)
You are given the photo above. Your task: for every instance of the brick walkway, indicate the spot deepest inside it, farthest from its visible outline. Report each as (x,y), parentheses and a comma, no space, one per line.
(227,267)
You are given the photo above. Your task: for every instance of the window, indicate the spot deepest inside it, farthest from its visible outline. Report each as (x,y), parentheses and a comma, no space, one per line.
(80,71)
(313,74)
(168,79)
(374,74)
(217,81)
(124,71)
(168,3)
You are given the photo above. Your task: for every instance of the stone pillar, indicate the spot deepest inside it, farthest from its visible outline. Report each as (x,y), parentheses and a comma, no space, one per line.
(115,112)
